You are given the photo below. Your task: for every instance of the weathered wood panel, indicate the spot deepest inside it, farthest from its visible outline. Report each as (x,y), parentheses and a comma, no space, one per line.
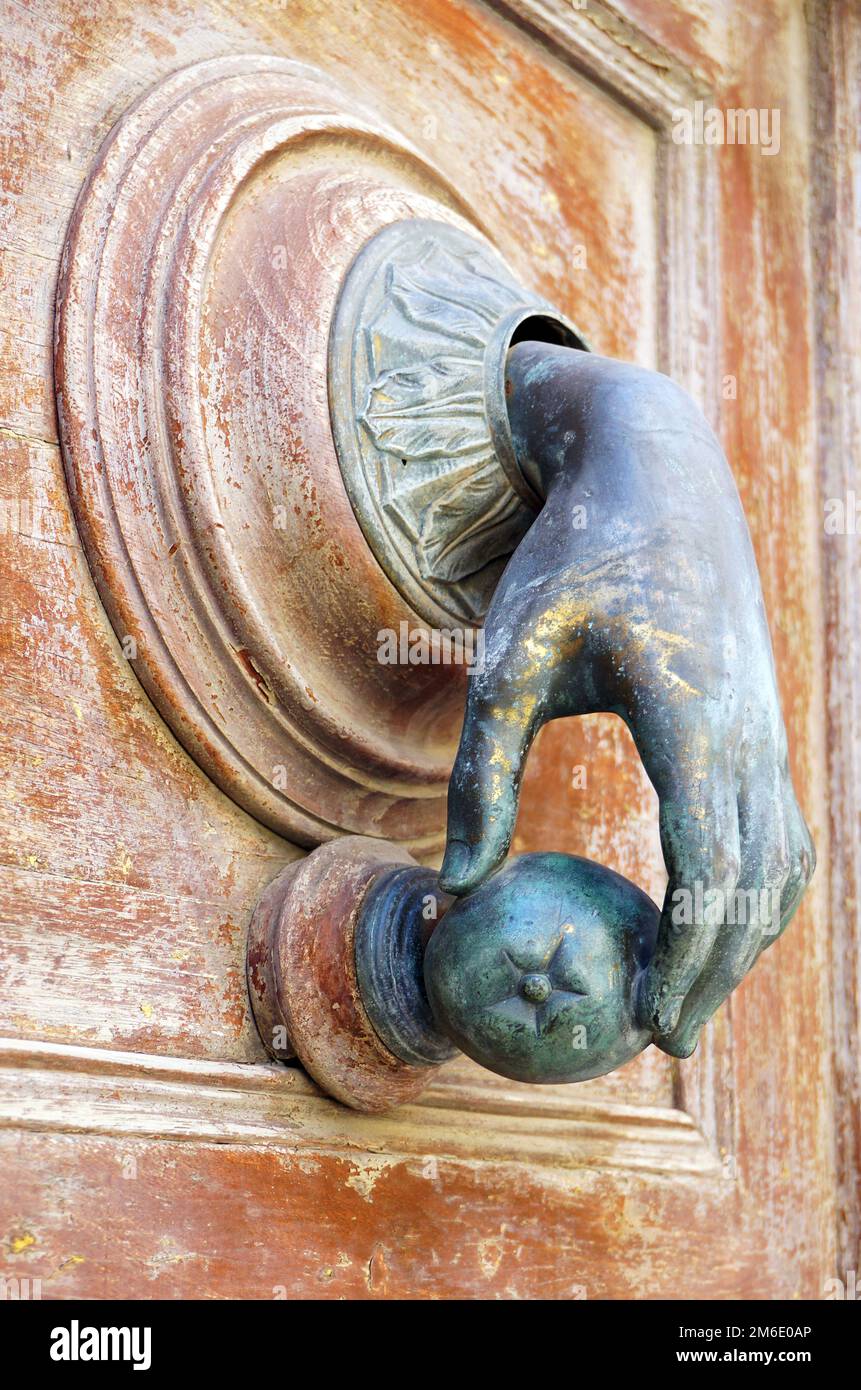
(202,1221)
(835,39)
(126,878)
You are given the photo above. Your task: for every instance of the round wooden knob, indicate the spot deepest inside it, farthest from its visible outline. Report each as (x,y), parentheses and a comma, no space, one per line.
(534,975)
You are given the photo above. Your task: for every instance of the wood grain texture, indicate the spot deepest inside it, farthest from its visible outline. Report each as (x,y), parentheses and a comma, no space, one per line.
(127,878)
(835,73)
(205,1220)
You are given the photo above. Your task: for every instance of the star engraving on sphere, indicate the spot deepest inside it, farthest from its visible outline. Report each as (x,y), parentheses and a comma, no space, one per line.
(538,991)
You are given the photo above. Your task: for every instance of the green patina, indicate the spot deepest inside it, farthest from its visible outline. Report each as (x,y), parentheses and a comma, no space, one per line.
(534,974)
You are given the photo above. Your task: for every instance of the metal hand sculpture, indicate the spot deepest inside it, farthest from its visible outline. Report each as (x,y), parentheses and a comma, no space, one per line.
(636,592)
(471,422)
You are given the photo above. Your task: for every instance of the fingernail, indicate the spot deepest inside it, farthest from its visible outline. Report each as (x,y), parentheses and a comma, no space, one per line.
(455,865)
(667,1013)
(682,1044)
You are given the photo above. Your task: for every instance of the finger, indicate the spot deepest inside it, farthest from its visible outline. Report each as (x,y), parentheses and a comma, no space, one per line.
(485,784)
(754,912)
(699,836)
(802,861)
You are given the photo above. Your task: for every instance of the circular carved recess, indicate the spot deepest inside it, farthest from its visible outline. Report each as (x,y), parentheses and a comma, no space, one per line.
(420,337)
(196,297)
(302,977)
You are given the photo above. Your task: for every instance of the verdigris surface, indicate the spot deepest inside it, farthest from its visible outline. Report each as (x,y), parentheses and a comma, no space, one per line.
(476,425)
(636,592)
(534,974)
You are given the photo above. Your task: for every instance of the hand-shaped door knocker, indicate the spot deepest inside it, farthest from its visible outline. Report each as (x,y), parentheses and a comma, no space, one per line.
(473,426)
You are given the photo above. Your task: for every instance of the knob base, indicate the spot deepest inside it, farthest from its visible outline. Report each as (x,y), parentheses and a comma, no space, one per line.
(398,916)
(301,968)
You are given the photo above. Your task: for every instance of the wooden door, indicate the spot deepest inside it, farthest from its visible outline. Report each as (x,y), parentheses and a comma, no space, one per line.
(148,1147)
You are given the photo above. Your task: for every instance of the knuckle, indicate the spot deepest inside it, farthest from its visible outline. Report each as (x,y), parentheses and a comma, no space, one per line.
(712,865)
(802,866)
(704,895)
(777,866)
(807,857)
(724,867)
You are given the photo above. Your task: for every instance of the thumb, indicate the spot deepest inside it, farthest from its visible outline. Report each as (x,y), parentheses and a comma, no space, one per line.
(484,788)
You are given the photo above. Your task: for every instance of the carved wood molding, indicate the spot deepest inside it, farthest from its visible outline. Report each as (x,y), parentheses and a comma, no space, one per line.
(606,46)
(77,1090)
(195,300)
(609,50)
